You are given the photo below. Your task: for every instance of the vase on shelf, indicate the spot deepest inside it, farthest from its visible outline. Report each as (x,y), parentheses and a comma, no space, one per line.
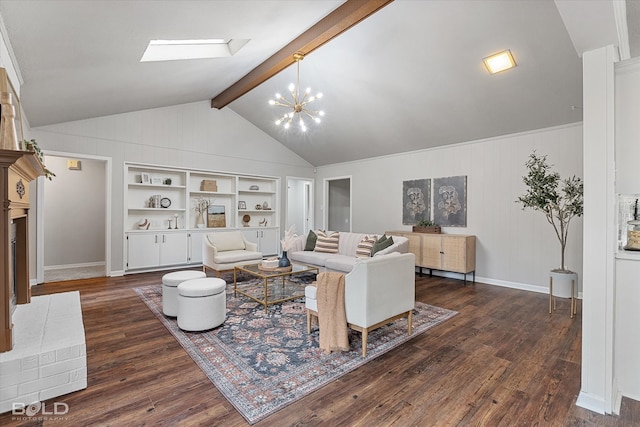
(200,220)
(284,261)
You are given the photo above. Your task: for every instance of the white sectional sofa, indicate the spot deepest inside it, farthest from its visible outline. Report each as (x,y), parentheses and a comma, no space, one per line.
(346,258)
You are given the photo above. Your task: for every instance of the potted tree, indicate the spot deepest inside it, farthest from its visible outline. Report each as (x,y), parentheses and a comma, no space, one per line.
(560,200)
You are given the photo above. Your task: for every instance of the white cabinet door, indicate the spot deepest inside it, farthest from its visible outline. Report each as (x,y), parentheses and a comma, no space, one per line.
(266,238)
(173,249)
(195,247)
(143,250)
(252,235)
(269,241)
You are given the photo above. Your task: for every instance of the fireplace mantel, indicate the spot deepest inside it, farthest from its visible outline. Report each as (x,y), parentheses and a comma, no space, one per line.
(17,169)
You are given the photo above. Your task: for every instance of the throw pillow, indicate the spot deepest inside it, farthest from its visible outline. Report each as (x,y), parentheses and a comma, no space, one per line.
(365,246)
(327,243)
(311,241)
(382,243)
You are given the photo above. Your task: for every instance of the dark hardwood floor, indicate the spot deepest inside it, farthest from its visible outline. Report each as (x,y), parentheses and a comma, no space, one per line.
(502,361)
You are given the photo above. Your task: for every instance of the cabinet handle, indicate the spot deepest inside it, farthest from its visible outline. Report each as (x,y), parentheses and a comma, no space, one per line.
(442,252)
(156,238)
(163,238)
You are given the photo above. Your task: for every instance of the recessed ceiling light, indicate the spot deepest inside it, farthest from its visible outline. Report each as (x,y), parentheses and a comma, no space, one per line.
(173,50)
(499,62)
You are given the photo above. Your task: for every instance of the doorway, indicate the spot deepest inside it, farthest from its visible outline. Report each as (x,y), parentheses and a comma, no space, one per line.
(300,205)
(337,196)
(74,218)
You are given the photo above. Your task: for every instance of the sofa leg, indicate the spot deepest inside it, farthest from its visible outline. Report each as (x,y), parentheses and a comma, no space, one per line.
(410,321)
(308,322)
(365,336)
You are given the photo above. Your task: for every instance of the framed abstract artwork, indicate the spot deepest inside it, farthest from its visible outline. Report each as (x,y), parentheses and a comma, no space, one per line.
(450,201)
(416,201)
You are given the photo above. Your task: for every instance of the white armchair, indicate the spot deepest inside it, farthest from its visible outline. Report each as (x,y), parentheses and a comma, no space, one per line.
(224,250)
(377,291)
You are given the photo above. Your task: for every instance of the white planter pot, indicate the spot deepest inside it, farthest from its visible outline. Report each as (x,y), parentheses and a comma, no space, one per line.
(561,282)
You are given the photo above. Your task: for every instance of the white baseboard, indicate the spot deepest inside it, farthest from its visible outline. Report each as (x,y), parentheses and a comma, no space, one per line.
(496,282)
(116,273)
(617,399)
(514,285)
(85,264)
(591,402)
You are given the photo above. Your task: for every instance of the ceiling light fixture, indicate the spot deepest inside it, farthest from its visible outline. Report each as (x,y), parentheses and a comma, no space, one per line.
(299,104)
(501,61)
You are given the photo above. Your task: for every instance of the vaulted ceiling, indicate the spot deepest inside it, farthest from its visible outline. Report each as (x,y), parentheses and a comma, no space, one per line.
(406,78)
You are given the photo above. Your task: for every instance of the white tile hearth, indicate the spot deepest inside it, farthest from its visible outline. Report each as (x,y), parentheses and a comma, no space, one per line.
(49,356)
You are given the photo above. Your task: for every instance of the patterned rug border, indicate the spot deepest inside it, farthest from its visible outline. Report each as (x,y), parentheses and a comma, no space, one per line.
(342,363)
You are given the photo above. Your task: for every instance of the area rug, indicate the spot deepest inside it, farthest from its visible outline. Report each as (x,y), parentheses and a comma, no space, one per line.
(262,362)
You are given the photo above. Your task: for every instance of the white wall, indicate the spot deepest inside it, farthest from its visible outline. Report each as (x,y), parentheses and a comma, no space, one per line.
(627,272)
(514,247)
(339,194)
(598,309)
(295,204)
(74,206)
(190,135)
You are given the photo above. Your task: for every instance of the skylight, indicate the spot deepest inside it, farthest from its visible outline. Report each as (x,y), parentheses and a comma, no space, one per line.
(499,62)
(174,50)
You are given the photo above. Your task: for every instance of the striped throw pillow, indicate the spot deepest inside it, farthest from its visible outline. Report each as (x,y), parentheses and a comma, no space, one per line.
(327,243)
(365,246)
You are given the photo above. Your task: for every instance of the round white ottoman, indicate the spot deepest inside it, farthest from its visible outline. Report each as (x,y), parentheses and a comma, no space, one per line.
(202,304)
(170,282)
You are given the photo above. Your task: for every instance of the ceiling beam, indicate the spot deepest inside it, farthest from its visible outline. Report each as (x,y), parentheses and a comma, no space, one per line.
(337,22)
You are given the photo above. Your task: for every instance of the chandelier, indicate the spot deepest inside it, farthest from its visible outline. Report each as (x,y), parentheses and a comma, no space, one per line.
(298,105)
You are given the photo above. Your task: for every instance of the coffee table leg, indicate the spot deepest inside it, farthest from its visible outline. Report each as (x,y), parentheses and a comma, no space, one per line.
(266,293)
(234,282)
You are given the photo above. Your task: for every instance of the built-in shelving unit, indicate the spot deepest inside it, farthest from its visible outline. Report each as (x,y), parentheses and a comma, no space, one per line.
(163,227)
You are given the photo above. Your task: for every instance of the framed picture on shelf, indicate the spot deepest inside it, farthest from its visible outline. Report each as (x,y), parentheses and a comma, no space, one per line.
(216,216)
(242,204)
(145,178)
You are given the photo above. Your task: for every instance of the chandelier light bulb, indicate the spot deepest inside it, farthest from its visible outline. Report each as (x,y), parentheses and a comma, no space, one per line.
(272,102)
(292,87)
(321,112)
(317,119)
(319,95)
(286,125)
